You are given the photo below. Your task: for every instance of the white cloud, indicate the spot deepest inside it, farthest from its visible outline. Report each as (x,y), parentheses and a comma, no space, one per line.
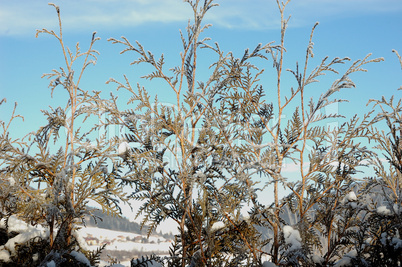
(290,166)
(23,17)
(342,7)
(17,19)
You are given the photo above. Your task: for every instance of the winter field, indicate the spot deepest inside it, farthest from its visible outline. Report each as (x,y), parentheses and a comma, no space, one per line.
(120,245)
(123,245)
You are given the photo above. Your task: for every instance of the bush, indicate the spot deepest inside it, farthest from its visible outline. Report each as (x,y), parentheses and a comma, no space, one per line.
(196,162)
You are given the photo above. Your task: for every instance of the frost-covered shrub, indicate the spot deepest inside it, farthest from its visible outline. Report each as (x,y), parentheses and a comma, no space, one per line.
(48,177)
(195,162)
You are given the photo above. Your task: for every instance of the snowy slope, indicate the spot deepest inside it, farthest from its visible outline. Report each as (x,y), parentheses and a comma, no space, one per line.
(124,245)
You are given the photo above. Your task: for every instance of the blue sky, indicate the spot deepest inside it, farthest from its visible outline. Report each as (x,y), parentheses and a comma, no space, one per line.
(347,28)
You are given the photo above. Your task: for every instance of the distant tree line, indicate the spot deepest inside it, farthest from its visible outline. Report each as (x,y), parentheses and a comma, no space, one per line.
(102,220)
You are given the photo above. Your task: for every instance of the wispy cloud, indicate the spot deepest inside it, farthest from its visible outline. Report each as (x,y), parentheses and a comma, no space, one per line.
(24,16)
(263,14)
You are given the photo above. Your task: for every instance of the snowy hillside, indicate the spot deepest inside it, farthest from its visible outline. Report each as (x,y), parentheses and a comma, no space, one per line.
(124,245)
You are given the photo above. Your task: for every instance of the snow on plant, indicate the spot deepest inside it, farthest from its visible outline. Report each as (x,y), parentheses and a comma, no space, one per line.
(292,237)
(317,259)
(268,264)
(123,148)
(350,199)
(346,259)
(351,196)
(24,233)
(217,226)
(383,210)
(80,257)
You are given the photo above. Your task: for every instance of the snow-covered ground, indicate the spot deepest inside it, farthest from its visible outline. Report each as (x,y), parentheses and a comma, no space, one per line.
(124,244)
